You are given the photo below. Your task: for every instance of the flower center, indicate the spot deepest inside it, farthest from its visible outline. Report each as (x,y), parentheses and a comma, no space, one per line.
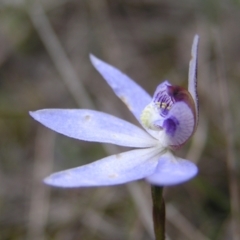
(163,101)
(171,113)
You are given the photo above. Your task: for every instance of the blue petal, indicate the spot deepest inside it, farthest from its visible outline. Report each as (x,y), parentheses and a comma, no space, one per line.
(192,74)
(134,96)
(112,170)
(172,170)
(95,126)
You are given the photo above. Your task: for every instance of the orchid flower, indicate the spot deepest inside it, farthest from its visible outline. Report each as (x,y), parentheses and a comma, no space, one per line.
(168,119)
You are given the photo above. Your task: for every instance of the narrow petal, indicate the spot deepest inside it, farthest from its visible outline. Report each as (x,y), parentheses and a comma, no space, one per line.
(112,170)
(172,170)
(192,74)
(95,126)
(134,96)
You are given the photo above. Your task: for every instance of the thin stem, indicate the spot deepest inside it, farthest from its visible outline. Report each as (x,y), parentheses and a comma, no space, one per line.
(158,212)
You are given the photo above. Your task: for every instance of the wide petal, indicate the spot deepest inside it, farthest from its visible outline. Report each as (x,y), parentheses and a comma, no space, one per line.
(134,96)
(90,125)
(172,170)
(192,74)
(179,125)
(112,170)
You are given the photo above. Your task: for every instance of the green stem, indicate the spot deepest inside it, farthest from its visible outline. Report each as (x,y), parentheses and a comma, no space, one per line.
(158,212)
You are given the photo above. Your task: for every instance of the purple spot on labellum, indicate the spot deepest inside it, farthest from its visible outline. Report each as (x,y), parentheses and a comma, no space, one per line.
(164,112)
(170,124)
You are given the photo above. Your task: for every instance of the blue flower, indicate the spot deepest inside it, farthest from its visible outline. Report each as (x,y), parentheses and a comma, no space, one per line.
(169,119)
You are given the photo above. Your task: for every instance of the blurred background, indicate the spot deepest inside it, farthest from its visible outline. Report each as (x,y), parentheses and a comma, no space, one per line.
(44,63)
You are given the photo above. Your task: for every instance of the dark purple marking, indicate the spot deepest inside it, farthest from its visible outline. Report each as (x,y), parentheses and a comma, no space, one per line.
(163,97)
(170,125)
(163,112)
(177,93)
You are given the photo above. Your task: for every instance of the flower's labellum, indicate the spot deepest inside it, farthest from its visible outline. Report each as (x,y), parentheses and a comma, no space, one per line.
(171,113)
